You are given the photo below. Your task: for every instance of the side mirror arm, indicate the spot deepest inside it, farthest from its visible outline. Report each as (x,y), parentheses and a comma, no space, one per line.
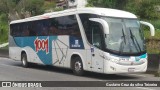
(152,29)
(103,22)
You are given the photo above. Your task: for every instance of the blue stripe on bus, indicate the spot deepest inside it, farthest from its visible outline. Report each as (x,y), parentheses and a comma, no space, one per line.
(141,57)
(46,58)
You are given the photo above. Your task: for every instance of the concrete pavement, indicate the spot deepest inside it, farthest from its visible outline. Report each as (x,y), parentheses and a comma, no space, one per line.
(11,70)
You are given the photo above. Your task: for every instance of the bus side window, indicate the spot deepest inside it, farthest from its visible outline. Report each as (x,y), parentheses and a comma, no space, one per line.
(66,25)
(96,34)
(86,25)
(53,27)
(32,28)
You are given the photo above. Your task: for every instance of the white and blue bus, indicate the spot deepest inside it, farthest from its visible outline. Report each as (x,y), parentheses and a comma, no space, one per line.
(84,39)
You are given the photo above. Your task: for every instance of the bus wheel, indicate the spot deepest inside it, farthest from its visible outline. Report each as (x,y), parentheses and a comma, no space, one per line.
(77,66)
(24,60)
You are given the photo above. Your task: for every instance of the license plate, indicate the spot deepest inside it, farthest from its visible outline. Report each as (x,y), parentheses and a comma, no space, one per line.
(131,69)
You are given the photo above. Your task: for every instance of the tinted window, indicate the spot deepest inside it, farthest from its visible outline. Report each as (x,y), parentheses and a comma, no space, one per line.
(66,25)
(96,34)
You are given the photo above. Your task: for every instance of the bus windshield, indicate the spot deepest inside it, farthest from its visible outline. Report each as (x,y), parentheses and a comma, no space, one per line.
(125,36)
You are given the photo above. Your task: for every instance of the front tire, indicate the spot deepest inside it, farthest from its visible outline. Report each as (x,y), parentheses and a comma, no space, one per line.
(77,66)
(24,60)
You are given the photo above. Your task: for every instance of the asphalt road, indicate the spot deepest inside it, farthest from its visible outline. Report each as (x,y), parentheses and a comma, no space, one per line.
(11,70)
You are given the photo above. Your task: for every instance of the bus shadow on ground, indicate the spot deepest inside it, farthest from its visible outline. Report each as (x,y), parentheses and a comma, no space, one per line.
(87,74)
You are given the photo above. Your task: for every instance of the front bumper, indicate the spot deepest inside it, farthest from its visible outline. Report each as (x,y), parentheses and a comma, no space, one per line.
(113,68)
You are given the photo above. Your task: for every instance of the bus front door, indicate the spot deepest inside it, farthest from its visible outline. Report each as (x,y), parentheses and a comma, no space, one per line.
(97,45)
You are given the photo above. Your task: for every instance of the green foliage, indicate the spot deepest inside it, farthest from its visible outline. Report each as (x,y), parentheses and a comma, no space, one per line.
(58,9)
(152,43)
(3,18)
(102,3)
(6,6)
(35,7)
(145,9)
(118,4)
(147,34)
(3,28)
(3,32)
(20,7)
(156,24)
(16,1)
(49,5)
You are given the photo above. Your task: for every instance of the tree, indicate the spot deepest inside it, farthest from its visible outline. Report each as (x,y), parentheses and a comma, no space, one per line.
(16,1)
(50,6)
(118,4)
(18,9)
(6,6)
(101,3)
(3,28)
(35,7)
(145,9)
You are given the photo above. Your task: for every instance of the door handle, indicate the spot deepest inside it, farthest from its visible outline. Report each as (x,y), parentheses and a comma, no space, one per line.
(93,55)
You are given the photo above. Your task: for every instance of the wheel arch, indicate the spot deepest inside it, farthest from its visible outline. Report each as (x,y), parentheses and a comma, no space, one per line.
(24,52)
(77,55)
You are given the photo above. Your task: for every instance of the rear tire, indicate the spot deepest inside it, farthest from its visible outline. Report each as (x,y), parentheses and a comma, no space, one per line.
(77,66)
(24,60)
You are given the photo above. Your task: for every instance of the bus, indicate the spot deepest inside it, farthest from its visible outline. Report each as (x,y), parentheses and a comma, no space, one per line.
(99,40)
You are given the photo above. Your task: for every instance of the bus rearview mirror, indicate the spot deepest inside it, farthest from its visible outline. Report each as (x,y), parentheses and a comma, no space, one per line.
(152,29)
(103,23)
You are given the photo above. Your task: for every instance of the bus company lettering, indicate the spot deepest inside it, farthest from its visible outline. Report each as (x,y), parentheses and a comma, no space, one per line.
(41,44)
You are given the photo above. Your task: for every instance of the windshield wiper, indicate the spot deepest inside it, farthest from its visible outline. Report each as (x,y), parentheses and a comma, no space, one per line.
(135,39)
(124,36)
(124,41)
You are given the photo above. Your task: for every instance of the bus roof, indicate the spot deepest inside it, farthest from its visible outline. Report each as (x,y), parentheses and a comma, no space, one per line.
(99,11)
